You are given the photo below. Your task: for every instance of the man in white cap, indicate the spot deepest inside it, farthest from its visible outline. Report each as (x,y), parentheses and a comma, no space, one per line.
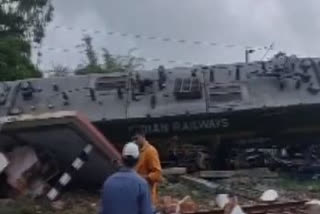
(125,191)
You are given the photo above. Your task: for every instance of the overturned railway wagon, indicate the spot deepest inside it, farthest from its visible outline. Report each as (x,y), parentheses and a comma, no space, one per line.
(204,107)
(52,150)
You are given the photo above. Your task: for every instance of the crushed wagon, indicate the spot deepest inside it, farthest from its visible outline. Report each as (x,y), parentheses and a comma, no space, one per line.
(45,153)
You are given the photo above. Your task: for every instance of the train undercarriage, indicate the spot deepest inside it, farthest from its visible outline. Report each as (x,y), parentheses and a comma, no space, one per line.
(284,137)
(294,153)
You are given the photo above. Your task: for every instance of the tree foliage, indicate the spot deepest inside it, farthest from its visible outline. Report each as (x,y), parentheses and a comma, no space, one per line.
(110,63)
(21,23)
(15,60)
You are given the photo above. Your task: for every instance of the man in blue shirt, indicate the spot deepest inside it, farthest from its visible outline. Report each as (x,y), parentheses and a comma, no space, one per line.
(125,192)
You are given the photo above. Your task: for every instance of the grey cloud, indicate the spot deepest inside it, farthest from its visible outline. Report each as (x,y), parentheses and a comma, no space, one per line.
(292,24)
(303,18)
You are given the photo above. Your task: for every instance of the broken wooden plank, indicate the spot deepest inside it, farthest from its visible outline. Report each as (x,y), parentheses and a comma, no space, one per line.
(174,171)
(216,174)
(200,183)
(224,174)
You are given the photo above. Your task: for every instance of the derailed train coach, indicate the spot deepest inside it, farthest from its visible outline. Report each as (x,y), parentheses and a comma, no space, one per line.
(45,153)
(200,112)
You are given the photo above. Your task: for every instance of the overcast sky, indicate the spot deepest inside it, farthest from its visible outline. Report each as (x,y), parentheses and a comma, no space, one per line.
(293,26)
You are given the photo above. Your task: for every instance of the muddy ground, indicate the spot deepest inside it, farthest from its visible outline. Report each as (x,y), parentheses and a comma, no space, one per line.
(247,188)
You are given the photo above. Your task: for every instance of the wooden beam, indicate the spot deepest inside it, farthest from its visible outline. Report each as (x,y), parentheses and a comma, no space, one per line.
(175,171)
(256,172)
(216,174)
(200,183)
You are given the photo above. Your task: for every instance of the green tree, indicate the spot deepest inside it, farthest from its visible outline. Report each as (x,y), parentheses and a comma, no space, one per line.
(110,63)
(15,60)
(91,54)
(21,23)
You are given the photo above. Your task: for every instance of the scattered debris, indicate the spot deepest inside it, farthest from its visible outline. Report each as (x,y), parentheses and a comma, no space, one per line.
(269,195)
(58,205)
(37,188)
(23,162)
(313,207)
(237,210)
(199,200)
(313,202)
(187,205)
(176,191)
(169,205)
(222,200)
(232,207)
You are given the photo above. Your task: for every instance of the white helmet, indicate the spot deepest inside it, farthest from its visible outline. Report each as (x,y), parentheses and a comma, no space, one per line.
(130,149)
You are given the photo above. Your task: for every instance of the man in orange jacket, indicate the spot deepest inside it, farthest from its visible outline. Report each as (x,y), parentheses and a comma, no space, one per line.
(148,166)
